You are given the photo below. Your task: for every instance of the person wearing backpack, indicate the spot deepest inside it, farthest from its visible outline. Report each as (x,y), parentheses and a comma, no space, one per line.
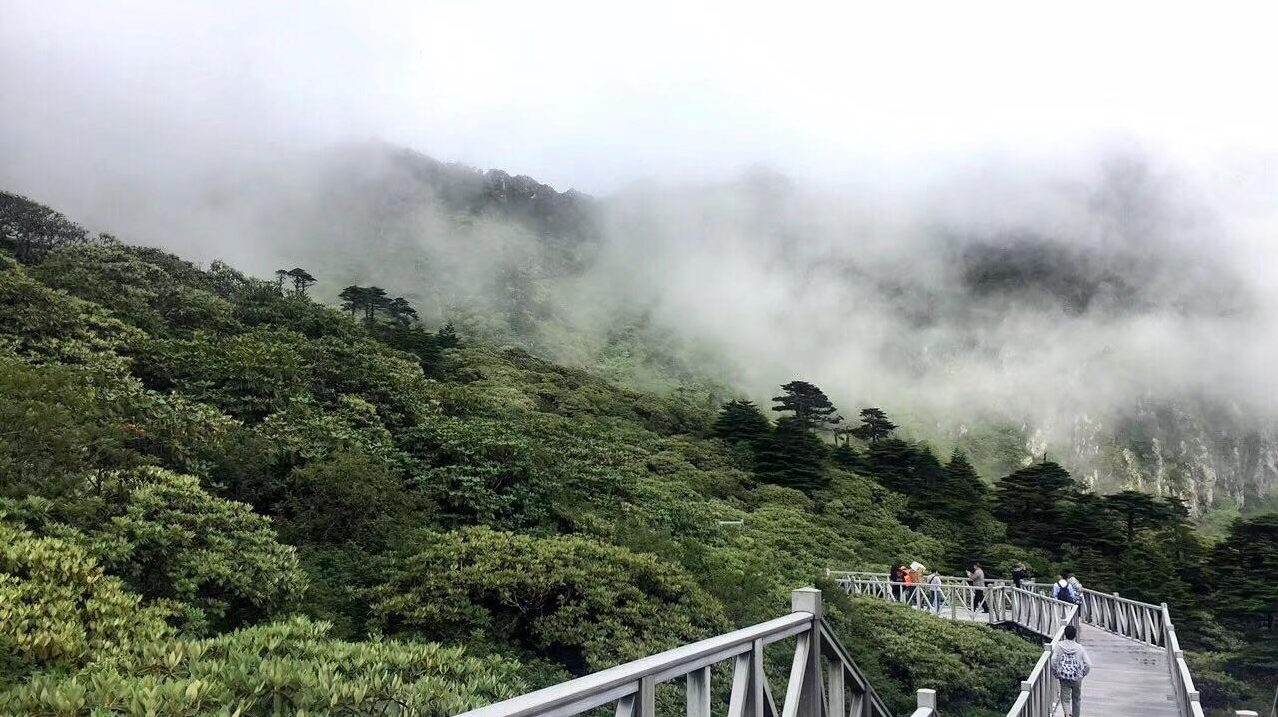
(1063,591)
(1070,664)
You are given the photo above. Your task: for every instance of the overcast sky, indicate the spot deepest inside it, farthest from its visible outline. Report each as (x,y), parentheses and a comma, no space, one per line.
(597,94)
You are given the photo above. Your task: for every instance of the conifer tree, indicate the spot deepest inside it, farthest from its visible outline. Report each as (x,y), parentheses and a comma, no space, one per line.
(892,462)
(1140,511)
(875,426)
(792,456)
(302,280)
(374,299)
(447,337)
(964,487)
(810,405)
(1032,501)
(400,311)
(847,457)
(352,297)
(1246,570)
(741,421)
(1088,523)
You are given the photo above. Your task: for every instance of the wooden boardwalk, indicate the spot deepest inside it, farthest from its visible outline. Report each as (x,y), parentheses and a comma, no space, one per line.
(1129,644)
(1128,678)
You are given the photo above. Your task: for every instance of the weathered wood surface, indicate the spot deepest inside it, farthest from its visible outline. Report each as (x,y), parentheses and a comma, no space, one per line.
(1128,678)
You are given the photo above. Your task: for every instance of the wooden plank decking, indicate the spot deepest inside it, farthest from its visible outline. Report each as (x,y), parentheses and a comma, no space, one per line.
(1128,678)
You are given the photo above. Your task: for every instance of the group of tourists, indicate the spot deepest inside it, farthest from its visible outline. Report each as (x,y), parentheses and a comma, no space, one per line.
(1070,662)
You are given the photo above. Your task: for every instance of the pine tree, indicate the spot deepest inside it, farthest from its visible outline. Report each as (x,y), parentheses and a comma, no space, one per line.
(400,311)
(892,463)
(741,421)
(810,405)
(374,299)
(1032,501)
(1088,523)
(874,427)
(352,298)
(302,280)
(1246,574)
(792,456)
(281,275)
(962,483)
(1141,511)
(447,337)
(847,457)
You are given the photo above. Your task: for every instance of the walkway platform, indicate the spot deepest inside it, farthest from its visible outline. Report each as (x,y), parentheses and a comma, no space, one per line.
(1130,643)
(1128,678)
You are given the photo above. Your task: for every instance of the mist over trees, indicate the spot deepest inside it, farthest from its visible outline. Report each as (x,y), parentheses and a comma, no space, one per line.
(257,455)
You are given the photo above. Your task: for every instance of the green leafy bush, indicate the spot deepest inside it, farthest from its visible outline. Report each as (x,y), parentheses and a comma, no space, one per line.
(290,668)
(588,604)
(175,541)
(58,609)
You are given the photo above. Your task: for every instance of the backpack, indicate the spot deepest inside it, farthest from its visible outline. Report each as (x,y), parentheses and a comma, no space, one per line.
(1069,668)
(1066,594)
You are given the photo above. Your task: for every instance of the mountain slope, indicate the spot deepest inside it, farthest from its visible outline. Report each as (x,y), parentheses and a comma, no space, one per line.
(257,479)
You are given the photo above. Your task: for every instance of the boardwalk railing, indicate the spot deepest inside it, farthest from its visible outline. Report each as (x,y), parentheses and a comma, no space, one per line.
(1030,610)
(1143,622)
(1041,614)
(1038,691)
(1132,619)
(1183,684)
(1033,608)
(823,679)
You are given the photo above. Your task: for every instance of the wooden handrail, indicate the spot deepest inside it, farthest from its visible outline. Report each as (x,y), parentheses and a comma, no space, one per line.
(1032,608)
(823,676)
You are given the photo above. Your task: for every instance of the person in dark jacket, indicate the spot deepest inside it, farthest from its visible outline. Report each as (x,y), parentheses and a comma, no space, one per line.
(1019,575)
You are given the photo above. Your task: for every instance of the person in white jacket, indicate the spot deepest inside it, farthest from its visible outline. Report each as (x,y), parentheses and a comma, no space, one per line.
(1070,664)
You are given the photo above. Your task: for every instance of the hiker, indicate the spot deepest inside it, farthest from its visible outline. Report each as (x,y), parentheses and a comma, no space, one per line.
(914,580)
(934,580)
(1019,575)
(976,577)
(1070,664)
(1063,591)
(1073,582)
(896,577)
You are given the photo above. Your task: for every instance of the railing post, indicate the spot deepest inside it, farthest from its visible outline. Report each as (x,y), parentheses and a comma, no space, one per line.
(806,600)
(810,698)
(926,699)
(646,700)
(699,693)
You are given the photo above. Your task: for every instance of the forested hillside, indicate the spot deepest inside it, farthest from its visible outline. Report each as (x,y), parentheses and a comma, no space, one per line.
(699,286)
(219,494)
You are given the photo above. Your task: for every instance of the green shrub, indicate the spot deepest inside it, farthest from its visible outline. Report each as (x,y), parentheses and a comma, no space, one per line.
(175,541)
(587,604)
(283,669)
(58,609)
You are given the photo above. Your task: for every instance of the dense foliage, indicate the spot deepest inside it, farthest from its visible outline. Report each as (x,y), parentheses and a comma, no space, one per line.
(219,494)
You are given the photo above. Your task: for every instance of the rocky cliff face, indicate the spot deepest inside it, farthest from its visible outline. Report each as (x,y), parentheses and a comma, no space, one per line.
(1192,449)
